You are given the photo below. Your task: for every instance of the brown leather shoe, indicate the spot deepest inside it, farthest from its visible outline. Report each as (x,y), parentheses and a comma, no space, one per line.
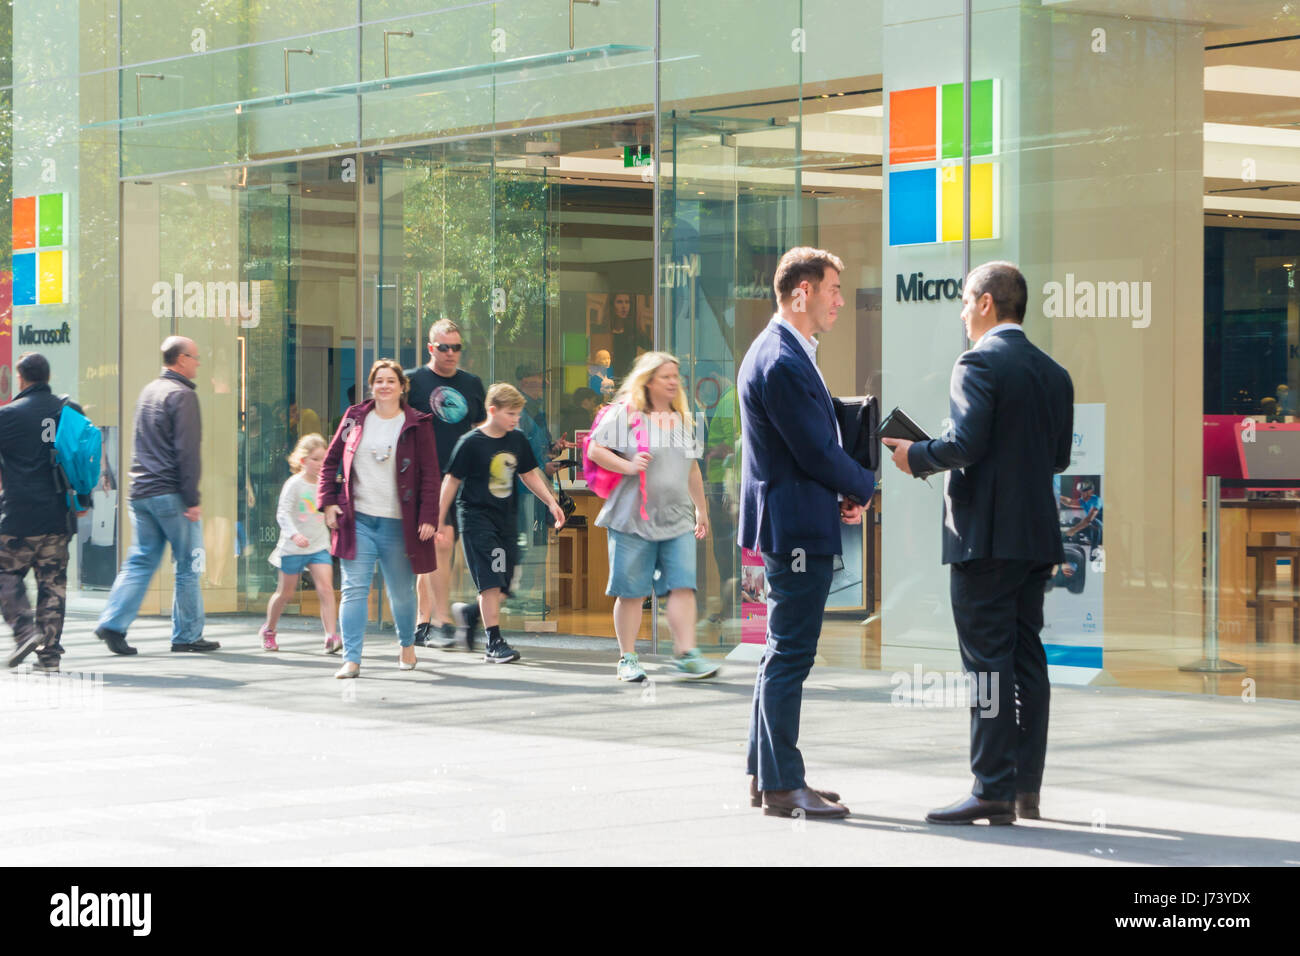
(802,802)
(972,808)
(756,795)
(1027,806)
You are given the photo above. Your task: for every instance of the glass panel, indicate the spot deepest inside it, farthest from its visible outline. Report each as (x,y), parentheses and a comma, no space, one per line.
(1158,238)
(532,245)
(922,49)
(600,310)
(258,267)
(750,166)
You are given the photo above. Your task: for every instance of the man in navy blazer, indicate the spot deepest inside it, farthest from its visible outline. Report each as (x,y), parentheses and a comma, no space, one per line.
(797,484)
(1012,410)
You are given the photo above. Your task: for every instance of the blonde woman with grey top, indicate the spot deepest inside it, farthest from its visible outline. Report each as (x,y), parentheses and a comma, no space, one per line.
(652,535)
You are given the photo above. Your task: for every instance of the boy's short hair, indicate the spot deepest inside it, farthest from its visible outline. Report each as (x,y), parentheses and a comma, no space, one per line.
(505,396)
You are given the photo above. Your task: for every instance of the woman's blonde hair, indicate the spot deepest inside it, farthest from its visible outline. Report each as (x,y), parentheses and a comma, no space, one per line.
(634,390)
(306,445)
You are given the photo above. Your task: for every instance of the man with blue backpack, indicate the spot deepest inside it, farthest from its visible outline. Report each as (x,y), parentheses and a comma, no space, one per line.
(36,518)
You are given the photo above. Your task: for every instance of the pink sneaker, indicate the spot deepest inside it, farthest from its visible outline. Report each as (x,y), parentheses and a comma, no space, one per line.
(333,644)
(268,639)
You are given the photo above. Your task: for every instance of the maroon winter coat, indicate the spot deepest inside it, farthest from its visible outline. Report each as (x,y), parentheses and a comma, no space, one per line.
(418,481)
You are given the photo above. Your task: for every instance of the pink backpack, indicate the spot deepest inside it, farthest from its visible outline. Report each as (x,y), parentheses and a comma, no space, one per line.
(603,481)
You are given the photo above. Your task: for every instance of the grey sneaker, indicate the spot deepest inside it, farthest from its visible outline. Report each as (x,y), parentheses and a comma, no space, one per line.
(629,669)
(694,666)
(441,636)
(467,618)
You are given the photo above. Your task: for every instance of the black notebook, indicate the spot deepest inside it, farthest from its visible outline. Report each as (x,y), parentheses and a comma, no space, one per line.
(897,424)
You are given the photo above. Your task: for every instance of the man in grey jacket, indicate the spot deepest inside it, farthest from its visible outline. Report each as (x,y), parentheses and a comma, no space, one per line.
(164,505)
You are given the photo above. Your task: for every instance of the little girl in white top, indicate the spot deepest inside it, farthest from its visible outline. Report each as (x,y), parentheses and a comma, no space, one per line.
(304,544)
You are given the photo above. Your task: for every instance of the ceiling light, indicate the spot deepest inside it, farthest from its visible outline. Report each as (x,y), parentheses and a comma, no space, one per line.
(1251,135)
(1256,80)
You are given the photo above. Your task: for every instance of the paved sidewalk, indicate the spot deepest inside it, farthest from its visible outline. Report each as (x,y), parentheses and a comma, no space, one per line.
(245,757)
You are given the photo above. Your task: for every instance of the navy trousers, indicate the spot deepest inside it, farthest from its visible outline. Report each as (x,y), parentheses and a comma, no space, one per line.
(797,588)
(998,608)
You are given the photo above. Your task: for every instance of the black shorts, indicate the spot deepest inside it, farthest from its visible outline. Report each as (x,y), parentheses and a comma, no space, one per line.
(491,552)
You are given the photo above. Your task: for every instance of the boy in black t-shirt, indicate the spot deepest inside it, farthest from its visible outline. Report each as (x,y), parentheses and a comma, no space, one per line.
(455,398)
(482,469)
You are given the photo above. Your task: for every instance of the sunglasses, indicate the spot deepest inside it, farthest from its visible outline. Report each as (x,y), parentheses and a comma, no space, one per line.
(446,347)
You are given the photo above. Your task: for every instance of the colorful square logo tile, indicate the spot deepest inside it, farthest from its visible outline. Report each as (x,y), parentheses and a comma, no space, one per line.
(24,233)
(912,127)
(911,206)
(40,255)
(925,150)
(25,278)
(983,202)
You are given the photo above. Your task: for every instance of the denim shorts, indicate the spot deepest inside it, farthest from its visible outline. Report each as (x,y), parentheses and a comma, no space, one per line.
(636,565)
(295,564)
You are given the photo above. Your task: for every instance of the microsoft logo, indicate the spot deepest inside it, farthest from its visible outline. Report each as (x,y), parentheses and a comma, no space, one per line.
(40,237)
(925,151)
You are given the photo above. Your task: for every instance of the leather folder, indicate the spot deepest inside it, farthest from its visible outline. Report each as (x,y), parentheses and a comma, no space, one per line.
(859,418)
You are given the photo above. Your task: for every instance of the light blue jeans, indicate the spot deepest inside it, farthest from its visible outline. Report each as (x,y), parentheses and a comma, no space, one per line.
(155,522)
(378,540)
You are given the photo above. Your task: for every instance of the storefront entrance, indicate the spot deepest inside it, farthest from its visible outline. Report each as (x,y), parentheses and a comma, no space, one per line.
(540,247)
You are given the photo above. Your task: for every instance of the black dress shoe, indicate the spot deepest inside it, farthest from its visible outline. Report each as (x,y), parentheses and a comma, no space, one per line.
(115,640)
(802,802)
(756,795)
(199,645)
(972,808)
(1027,806)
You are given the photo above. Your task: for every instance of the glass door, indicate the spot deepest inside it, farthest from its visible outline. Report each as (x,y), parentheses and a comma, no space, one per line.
(297,359)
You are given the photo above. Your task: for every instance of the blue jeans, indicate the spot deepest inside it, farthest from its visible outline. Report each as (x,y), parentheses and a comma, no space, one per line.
(796,601)
(634,560)
(378,540)
(157,521)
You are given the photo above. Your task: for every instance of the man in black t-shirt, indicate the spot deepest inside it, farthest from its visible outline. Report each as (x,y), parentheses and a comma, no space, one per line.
(455,399)
(480,478)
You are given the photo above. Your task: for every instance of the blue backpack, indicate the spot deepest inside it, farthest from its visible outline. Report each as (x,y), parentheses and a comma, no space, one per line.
(77,448)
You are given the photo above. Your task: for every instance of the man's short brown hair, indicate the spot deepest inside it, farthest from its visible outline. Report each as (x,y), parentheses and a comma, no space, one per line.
(803,262)
(1005,283)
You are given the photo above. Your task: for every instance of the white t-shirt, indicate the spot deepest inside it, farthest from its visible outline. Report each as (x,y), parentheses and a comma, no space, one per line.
(374,467)
(297,514)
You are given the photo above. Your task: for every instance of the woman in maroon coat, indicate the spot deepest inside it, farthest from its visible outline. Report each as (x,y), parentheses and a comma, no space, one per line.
(379,492)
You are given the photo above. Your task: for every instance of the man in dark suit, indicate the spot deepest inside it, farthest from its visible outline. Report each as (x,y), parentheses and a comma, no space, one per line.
(1012,410)
(797,484)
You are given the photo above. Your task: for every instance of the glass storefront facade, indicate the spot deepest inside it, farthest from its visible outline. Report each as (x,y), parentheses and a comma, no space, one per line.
(302,187)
